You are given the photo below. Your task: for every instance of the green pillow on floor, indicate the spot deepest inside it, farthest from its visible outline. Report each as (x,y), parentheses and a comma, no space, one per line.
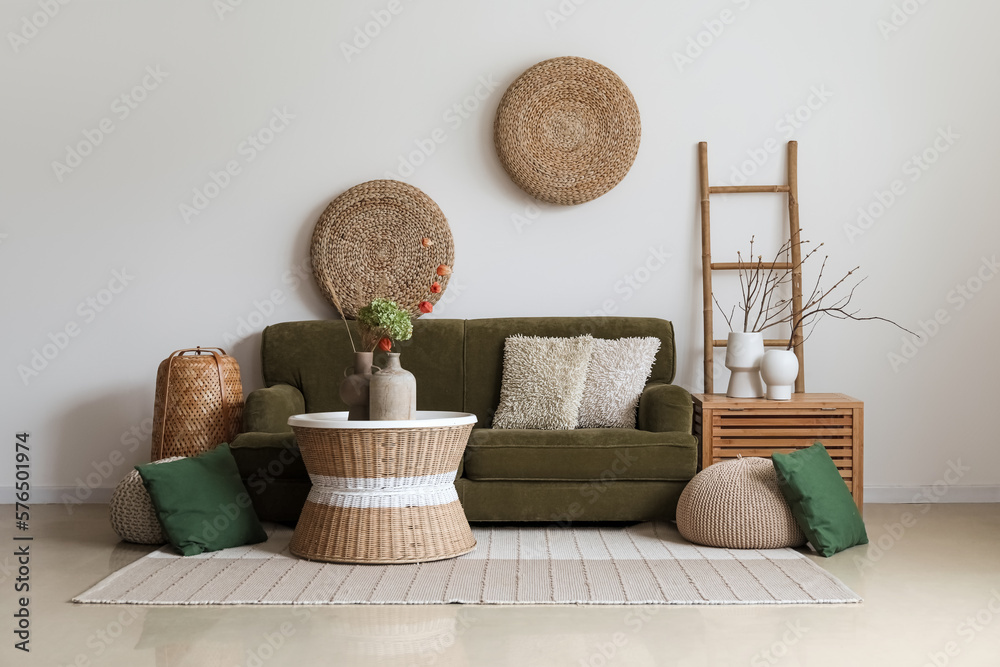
(201,502)
(820,501)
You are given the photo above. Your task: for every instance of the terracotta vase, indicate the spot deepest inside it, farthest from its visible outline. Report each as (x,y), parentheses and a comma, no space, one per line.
(393,392)
(354,390)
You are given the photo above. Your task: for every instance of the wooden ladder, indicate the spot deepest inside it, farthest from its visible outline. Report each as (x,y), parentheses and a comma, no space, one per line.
(707,265)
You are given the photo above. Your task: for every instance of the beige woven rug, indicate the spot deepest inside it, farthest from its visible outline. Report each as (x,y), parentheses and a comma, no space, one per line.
(648,563)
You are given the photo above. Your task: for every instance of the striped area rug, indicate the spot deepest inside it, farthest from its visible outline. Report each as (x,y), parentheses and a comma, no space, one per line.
(647,563)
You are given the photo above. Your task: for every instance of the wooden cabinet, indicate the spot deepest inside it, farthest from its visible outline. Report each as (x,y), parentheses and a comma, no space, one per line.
(727,427)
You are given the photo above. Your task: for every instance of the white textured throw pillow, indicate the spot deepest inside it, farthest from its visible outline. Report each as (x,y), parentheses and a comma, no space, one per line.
(543,382)
(616,377)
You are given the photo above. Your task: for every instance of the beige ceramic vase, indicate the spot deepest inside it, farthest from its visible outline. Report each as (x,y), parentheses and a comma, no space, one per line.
(354,390)
(393,392)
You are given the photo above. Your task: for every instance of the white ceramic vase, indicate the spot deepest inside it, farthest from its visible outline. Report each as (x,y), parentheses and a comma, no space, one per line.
(744,352)
(779,370)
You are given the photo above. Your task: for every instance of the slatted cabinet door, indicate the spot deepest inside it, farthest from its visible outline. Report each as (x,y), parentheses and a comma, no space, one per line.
(731,427)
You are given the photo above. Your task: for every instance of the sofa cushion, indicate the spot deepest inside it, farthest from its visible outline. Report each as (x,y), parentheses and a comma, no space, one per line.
(484,342)
(601,454)
(543,381)
(616,377)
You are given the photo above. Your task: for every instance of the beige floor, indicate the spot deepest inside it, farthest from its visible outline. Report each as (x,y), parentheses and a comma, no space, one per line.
(928,587)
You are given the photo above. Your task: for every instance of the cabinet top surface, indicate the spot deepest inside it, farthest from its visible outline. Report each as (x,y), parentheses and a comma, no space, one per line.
(806,400)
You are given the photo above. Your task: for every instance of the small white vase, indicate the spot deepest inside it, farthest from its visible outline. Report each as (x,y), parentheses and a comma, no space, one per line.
(744,352)
(779,370)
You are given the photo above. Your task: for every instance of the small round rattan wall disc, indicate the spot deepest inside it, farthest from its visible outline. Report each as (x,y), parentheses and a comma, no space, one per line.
(567,130)
(368,244)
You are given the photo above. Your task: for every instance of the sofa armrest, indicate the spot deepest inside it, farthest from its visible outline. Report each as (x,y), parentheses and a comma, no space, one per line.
(665,407)
(267,410)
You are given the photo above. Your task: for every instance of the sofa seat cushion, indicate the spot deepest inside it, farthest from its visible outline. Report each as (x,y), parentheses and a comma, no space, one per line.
(580,455)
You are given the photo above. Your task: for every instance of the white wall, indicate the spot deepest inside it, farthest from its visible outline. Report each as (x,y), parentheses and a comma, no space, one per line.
(887,98)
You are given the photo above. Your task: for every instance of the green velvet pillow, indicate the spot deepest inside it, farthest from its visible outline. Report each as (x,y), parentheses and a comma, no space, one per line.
(202,503)
(820,501)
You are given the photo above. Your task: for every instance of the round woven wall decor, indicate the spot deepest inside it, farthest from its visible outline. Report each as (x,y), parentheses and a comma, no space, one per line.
(370,242)
(567,130)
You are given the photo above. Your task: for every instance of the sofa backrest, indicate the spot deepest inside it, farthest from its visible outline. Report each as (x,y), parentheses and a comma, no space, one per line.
(314,355)
(458,364)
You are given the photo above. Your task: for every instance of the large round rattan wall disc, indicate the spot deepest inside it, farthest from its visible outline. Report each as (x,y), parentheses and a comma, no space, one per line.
(367,244)
(567,130)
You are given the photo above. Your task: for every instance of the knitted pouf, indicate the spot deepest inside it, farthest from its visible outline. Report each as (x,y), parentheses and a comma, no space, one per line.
(736,504)
(133,516)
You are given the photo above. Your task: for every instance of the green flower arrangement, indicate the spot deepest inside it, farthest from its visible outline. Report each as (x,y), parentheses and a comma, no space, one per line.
(383,321)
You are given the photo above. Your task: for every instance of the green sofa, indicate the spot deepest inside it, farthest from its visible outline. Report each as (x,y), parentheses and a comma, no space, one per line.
(506,475)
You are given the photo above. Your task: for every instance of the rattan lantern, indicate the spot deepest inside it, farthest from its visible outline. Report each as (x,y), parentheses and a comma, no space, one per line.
(199,402)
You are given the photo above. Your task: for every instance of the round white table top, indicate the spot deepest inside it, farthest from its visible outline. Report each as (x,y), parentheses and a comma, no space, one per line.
(425,419)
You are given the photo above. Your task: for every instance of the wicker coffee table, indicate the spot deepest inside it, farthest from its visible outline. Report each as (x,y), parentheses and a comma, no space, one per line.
(383,491)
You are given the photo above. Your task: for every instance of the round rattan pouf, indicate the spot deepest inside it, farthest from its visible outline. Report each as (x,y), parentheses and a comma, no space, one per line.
(567,130)
(383,491)
(133,516)
(736,504)
(378,238)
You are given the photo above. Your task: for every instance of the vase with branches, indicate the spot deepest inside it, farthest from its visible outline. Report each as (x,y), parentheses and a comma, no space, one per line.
(763,306)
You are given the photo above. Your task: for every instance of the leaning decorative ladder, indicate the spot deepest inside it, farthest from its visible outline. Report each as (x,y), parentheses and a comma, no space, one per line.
(707,265)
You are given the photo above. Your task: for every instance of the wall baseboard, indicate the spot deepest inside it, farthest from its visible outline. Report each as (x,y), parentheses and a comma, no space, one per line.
(54,495)
(933,494)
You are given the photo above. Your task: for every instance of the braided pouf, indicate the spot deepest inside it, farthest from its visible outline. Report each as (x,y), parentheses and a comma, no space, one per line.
(736,504)
(567,130)
(133,516)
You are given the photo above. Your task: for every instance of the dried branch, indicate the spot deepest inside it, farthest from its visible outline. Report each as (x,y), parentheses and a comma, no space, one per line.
(729,320)
(340,311)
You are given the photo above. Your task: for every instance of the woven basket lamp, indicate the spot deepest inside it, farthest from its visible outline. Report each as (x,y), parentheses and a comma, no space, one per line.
(381,239)
(199,402)
(737,504)
(567,130)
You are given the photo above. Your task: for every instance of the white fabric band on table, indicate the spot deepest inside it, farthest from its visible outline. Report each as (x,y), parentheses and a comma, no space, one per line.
(384,492)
